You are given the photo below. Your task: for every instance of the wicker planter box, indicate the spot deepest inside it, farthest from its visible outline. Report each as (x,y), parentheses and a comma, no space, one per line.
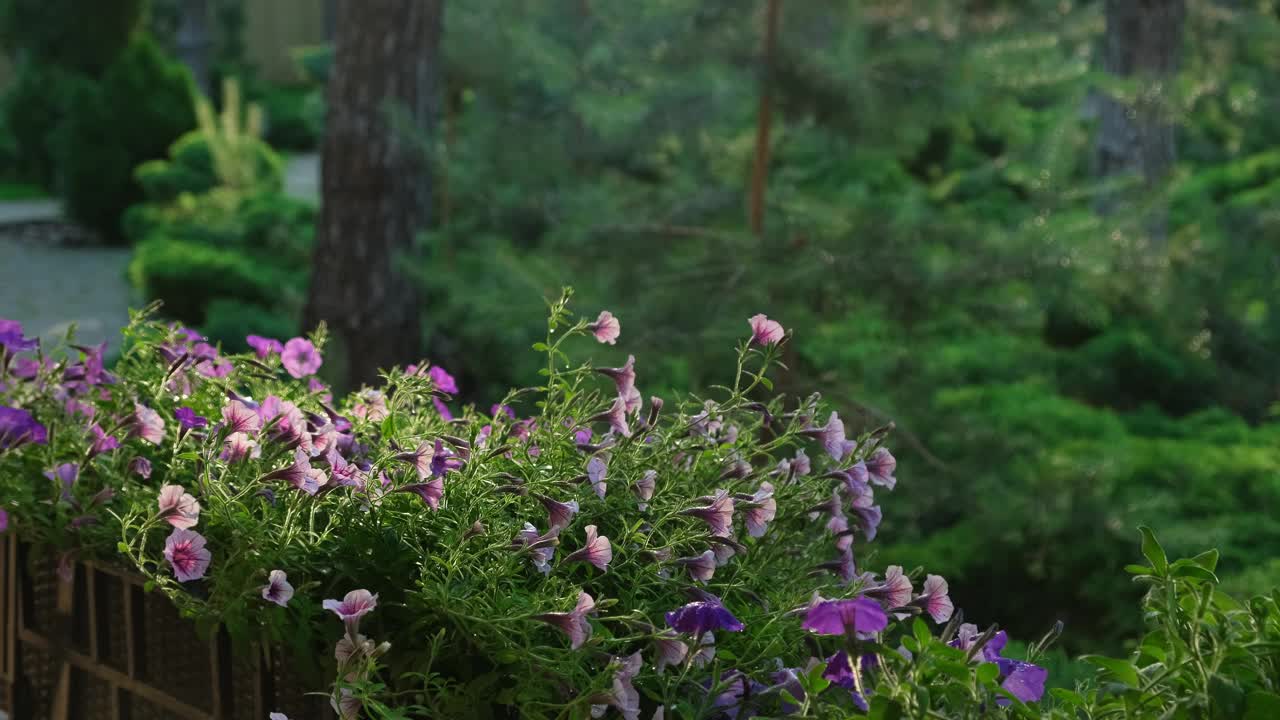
(101,648)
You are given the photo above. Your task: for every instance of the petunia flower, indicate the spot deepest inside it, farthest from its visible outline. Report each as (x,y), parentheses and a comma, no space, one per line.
(277,590)
(102,442)
(18,427)
(840,673)
(597,470)
(645,486)
(442,380)
(832,437)
(718,515)
(765,331)
(141,467)
(178,507)
(346,704)
(240,418)
(702,616)
(264,346)
(185,550)
(276,715)
(442,460)
(934,599)
(147,424)
(668,650)
(372,406)
(843,617)
(353,606)
(598,550)
(895,591)
(66,475)
(606,328)
(236,447)
(880,467)
(623,377)
(559,514)
(624,695)
(542,548)
(430,492)
(616,416)
(343,473)
(701,567)
(762,510)
(300,358)
(188,419)
(11,338)
(573,623)
(300,474)
(1023,680)
(705,650)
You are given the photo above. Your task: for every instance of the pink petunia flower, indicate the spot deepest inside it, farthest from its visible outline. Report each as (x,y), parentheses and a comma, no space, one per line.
(141,467)
(880,467)
(277,590)
(934,598)
(718,515)
(177,506)
(762,510)
(765,331)
(542,548)
(430,492)
(236,447)
(559,514)
(147,424)
(598,550)
(300,358)
(606,328)
(597,470)
(573,623)
(185,550)
(240,418)
(832,437)
(645,486)
(668,650)
(623,377)
(355,605)
(616,416)
(701,567)
(264,346)
(896,589)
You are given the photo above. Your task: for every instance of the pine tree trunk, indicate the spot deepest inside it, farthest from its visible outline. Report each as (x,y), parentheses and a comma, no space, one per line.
(1143,42)
(375,183)
(760,169)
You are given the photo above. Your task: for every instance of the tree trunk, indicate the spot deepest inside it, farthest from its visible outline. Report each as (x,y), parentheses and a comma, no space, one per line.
(375,183)
(1143,42)
(760,172)
(193,40)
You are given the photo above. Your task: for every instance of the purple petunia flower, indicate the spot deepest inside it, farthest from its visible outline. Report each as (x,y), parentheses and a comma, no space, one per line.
(765,331)
(624,695)
(880,467)
(442,460)
(718,515)
(559,514)
(840,673)
(739,695)
(616,416)
(264,346)
(573,623)
(842,617)
(141,467)
(430,492)
(606,328)
(598,550)
(300,358)
(1023,680)
(300,474)
(702,616)
(934,599)
(761,511)
(597,470)
(240,418)
(18,427)
(701,567)
(102,442)
(11,338)
(147,424)
(443,381)
(187,555)
(65,474)
(541,547)
(181,509)
(832,437)
(277,590)
(645,486)
(355,605)
(188,419)
(623,377)
(668,650)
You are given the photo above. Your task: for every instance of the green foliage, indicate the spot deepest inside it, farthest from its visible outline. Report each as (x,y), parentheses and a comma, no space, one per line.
(190,169)
(40,100)
(69,34)
(294,117)
(141,106)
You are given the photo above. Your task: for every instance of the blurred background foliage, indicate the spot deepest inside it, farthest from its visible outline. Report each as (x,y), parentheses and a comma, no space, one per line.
(1055,376)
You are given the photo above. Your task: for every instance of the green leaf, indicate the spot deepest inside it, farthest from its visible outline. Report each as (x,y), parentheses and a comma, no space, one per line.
(1262,705)
(1207,560)
(1121,670)
(1153,552)
(921,631)
(988,673)
(766,382)
(883,708)
(955,670)
(1139,570)
(813,682)
(148,586)
(1191,571)
(1068,697)
(122,547)
(541,347)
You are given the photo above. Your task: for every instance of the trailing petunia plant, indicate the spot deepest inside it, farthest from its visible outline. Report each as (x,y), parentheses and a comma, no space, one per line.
(576,550)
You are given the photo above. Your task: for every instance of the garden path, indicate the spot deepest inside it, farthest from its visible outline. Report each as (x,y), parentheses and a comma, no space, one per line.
(50,279)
